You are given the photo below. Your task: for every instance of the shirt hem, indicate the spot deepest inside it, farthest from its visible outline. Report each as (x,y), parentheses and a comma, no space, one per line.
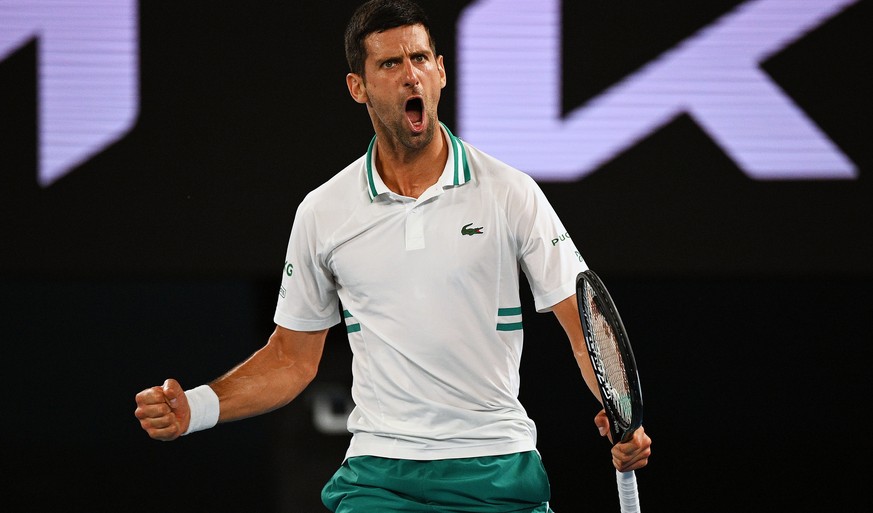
(304,325)
(389,449)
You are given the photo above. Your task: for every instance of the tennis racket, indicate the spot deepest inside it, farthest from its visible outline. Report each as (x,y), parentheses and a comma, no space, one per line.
(615,370)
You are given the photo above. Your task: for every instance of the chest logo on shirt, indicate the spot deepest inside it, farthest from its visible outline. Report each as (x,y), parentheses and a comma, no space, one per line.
(466,230)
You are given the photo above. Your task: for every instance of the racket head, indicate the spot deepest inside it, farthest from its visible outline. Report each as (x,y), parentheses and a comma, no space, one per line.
(611,356)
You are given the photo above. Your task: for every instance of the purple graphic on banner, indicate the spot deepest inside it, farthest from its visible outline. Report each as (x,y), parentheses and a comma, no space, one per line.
(509,93)
(88,74)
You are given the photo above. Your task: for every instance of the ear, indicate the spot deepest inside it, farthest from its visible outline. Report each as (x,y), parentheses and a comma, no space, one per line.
(356,87)
(442,70)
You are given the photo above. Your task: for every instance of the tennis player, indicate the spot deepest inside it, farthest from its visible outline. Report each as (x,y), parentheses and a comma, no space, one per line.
(416,247)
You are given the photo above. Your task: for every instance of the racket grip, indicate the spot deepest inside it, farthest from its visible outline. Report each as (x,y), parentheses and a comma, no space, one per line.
(628,495)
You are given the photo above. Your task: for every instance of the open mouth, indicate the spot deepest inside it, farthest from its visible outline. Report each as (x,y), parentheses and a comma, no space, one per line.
(415,112)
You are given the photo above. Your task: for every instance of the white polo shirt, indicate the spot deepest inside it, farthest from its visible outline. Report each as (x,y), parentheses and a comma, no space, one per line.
(429,289)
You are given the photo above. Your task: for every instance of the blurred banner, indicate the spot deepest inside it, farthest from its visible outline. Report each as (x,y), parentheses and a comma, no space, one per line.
(679,137)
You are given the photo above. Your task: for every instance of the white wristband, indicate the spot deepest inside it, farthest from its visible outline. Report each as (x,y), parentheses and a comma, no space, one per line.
(204,408)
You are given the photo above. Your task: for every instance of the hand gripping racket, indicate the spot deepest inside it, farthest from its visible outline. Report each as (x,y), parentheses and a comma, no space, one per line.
(615,370)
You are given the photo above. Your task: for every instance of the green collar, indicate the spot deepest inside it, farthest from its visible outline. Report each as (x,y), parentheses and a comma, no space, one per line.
(460,172)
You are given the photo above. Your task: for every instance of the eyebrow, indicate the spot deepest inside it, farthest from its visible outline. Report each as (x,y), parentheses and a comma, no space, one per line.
(399,57)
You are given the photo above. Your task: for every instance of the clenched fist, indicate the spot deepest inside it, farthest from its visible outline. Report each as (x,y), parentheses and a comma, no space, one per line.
(163,411)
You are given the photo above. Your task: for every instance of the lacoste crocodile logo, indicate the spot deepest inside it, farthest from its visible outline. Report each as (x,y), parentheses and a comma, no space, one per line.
(466,230)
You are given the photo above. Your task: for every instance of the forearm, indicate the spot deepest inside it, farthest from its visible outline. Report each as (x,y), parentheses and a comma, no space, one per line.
(272,377)
(567,313)
(580,352)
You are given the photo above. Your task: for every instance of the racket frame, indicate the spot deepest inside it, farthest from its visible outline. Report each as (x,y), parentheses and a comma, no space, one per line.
(621,432)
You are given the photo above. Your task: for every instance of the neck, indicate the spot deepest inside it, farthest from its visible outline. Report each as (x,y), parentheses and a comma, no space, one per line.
(409,172)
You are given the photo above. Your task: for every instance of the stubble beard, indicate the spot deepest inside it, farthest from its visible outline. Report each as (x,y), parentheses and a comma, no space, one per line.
(405,138)
(417,141)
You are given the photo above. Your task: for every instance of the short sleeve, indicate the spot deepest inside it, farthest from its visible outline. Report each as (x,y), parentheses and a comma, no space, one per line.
(546,253)
(307,296)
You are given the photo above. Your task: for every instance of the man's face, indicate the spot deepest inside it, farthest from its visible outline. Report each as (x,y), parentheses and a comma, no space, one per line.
(402,85)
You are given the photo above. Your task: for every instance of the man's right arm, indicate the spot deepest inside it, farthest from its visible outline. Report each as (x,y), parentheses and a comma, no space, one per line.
(270,378)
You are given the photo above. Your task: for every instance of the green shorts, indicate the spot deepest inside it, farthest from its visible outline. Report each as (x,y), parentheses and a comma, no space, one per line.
(513,483)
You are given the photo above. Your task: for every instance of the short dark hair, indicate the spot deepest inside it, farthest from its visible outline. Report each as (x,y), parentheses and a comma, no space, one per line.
(379,16)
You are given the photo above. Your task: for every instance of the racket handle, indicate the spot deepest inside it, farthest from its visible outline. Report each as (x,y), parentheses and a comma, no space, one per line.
(627,491)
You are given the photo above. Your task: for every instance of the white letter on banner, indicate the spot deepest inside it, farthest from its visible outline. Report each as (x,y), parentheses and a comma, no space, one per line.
(509,93)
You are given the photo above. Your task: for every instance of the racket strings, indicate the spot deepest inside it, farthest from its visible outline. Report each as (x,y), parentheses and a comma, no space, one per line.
(609,360)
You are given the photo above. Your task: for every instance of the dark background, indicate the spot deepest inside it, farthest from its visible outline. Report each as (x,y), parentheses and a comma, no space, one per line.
(748,302)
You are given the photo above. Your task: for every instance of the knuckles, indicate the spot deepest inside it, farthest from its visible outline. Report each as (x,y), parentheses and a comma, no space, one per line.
(155,416)
(634,453)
